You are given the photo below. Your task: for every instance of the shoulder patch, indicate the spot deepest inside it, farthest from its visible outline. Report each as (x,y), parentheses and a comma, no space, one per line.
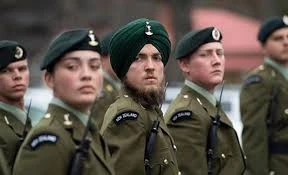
(127,115)
(44,138)
(252,79)
(181,115)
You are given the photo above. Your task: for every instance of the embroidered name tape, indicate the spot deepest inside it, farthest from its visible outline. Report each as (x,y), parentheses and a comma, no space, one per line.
(128,115)
(43,139)
(253,79)
(181,115)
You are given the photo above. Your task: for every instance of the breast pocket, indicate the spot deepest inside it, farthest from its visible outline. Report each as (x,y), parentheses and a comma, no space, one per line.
(220,160)
(162,161)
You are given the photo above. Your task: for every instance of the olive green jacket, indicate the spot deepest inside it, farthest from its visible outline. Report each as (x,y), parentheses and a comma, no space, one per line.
(255,101)
(50,145)
(11,136)
(189,118)
(108,96)
(125,128)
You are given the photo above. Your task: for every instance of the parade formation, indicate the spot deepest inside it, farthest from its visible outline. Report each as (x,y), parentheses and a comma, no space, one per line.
(105,116)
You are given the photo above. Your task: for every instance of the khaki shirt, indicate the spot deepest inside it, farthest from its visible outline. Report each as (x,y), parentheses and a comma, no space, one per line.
(11,136)
(189,118)
(254,103)
(125,128)
(108,96)
(49,147)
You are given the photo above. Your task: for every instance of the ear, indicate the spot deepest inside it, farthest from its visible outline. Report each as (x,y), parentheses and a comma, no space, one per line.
(49,79)
(184,65)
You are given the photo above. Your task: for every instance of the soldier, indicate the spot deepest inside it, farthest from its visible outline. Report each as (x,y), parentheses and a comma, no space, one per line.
(14,81)
(74,73)
(111,84)
(139,51)
(190,117)
(264,103)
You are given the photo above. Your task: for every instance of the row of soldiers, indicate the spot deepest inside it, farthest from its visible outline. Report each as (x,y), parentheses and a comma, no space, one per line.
(91,128)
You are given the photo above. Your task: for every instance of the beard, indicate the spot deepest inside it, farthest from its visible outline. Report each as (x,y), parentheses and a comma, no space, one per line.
(148,97)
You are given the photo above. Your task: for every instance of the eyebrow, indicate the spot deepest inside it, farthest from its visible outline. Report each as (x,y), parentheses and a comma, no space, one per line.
(78,59)
(209,50)
(144,54)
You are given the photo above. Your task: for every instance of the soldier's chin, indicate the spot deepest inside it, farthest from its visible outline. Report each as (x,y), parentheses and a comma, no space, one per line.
(87,99)
(151,88)
(17,96)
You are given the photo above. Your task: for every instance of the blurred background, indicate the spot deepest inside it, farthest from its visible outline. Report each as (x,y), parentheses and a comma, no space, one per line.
(35,23)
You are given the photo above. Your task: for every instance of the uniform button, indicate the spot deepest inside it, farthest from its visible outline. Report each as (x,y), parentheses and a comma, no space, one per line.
(273,73)
(199,101)
(185,96)
(179,173)
(223,156)
(165,161)
(126,96)
(272,173)
(174,147)
(286,111)
(261,67)
(48,115)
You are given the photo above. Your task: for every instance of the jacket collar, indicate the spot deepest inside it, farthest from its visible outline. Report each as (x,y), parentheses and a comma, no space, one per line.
(207,105)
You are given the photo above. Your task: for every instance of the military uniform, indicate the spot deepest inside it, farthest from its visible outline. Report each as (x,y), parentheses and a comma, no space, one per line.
(11,134)
(108,95)
(49,147)
(125,129)
(189,118)
(255,101)
(136,147)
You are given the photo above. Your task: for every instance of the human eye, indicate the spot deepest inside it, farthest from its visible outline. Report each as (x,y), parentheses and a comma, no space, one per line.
(95,66)
(220,53)
(277,38)
(157,57)
(71,66)
(23,68)
(203,54)
(138,58)
(3,71)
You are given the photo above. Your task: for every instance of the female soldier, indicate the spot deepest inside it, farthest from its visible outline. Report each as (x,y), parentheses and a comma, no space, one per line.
(74,73)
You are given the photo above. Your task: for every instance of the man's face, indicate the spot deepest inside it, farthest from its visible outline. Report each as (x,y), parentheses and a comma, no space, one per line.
(146,73)
(276,46)
(77,78)
(205,67)
(14,81)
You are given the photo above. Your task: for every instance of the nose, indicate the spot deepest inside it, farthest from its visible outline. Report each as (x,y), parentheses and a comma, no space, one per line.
(86,73)
(286,40)
(149,66)
(216,59)
(17,75)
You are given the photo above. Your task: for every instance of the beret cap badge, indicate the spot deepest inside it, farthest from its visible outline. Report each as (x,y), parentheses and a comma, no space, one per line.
(93,42)
(216,34)
(285,19)
(148,29)
(18,52)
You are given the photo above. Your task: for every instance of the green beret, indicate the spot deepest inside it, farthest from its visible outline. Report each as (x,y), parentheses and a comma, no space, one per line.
(80,39)
(105,43)
(11,51)
(191,41)
(127,42)
(270,25)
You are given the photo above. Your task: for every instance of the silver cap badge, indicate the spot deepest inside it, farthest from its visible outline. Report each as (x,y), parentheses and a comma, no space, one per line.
(216,34)
(18,53)
(285,19)
(93,42)
(148,29)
